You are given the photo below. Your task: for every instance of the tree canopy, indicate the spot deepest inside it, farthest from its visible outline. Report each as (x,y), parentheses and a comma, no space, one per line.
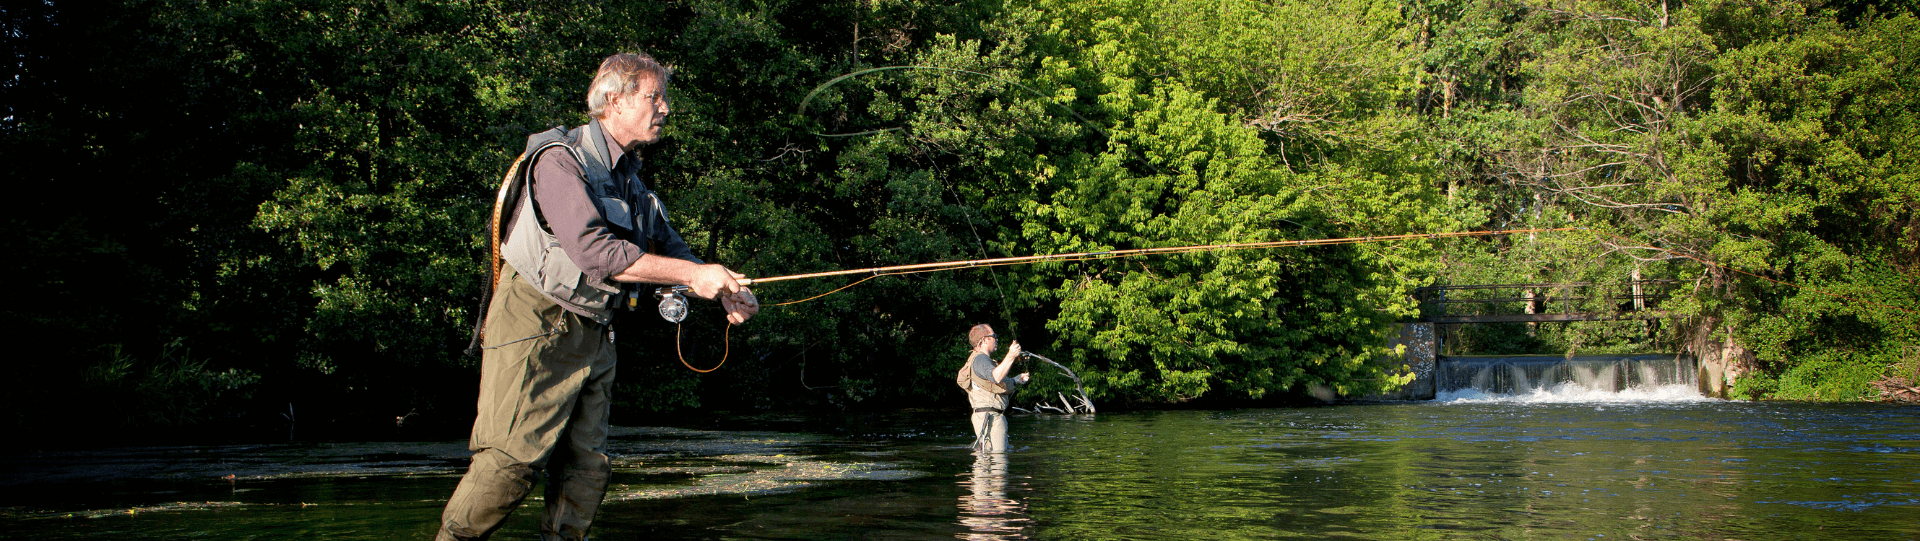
(285,203)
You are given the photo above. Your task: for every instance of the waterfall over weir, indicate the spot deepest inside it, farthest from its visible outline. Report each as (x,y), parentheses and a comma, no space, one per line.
(1554,378)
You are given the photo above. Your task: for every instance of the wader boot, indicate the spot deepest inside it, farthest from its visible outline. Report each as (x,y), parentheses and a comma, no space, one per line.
(573,496)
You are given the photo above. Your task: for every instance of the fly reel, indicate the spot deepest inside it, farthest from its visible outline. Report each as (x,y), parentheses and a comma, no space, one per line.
(673,305)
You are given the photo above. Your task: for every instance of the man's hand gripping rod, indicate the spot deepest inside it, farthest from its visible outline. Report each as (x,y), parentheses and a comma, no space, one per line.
(673,301)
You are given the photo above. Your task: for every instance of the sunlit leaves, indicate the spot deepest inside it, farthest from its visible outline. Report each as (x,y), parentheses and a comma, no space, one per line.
(1180,167)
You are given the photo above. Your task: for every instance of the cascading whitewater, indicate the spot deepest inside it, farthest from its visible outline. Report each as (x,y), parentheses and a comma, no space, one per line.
(1519,375)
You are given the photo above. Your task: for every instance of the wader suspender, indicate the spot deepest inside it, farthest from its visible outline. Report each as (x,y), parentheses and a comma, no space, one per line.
(985,437)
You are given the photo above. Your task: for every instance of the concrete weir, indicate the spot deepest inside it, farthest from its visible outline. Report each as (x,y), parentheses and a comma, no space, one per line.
(1436,375)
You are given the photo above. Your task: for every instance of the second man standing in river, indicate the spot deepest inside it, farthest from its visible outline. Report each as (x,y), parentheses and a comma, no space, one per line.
(990,388)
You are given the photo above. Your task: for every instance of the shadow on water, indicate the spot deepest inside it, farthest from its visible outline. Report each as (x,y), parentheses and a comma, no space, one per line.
(1467,468)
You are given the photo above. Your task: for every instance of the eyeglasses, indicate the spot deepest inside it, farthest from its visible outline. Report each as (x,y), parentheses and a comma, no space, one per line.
(657,97)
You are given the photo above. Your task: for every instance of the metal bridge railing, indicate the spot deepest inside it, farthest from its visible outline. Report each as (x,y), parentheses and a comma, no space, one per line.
(1539,302)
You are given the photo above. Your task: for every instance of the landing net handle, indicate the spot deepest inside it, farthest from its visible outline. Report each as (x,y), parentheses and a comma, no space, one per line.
(505,196)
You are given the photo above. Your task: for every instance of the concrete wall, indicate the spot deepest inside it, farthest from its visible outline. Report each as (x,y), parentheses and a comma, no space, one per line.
(1721,359)
(1421,346)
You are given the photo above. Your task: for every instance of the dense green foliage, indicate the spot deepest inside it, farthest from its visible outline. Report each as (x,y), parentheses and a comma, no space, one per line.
(1761,154)
(267,212)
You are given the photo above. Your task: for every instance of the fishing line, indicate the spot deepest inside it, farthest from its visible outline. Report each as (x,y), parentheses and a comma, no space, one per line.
(673,305)
(726,337)
(1005,309)
(876,272)
(842,288)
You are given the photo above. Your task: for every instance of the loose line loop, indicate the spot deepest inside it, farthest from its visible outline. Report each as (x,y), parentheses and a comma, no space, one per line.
(726,338)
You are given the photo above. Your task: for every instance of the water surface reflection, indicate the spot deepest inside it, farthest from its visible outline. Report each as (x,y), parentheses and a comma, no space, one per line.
(1470,469)
(987,511)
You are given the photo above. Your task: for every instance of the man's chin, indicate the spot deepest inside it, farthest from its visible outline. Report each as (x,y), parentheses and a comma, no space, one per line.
(653,137)
(637,143)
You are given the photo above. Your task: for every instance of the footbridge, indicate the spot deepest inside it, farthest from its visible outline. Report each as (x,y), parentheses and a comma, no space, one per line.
(1531,303)
(1539,303)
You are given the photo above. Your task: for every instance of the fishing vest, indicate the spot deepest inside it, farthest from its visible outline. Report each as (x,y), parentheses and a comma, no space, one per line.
(532,249)
(968,380)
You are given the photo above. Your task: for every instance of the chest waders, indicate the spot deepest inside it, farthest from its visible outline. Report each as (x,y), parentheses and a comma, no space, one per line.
(983,438)
(546,381)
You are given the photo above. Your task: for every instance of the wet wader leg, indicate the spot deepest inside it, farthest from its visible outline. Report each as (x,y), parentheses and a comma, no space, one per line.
(528,391)
(980,423)
(989,432)
(487,494)
(999,433)
(577,476)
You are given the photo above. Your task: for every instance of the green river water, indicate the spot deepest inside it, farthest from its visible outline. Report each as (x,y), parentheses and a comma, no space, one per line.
(1620,466)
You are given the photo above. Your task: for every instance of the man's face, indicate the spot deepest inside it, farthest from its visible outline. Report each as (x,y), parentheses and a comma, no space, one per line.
(637,119)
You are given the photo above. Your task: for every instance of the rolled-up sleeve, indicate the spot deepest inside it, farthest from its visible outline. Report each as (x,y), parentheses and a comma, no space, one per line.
(576,224)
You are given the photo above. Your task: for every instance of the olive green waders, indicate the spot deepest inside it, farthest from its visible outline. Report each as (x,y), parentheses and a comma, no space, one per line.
(545,383)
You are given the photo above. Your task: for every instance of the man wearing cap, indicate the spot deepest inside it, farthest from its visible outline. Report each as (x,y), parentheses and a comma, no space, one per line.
(990,390)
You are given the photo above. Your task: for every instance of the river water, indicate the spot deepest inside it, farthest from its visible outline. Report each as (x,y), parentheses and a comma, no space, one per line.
(1656,463)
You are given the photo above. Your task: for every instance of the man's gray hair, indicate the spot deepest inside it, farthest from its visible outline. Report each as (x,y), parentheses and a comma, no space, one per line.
(620,75)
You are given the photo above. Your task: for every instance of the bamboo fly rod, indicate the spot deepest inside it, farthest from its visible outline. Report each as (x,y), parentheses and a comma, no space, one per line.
(1111,254)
